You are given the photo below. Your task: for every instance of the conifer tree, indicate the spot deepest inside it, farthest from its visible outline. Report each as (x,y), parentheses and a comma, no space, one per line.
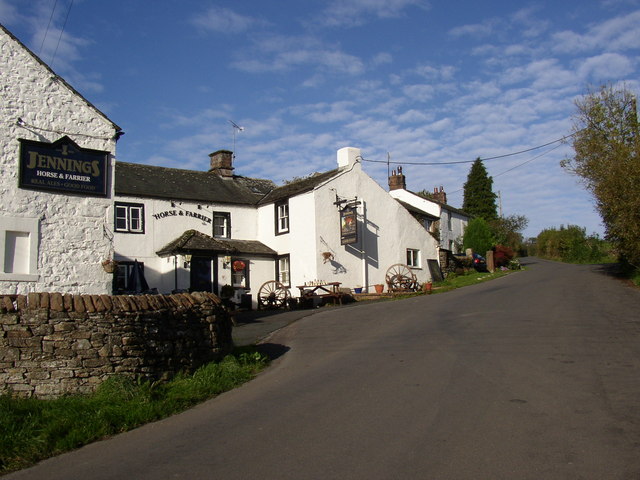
(479,199)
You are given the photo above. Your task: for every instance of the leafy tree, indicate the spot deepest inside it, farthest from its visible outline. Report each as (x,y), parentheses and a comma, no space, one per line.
(425,194)
(478,236)
(508,230)
(571,244)
(607,158)
(479,199)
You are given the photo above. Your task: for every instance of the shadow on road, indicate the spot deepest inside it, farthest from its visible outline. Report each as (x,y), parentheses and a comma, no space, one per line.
(272,350)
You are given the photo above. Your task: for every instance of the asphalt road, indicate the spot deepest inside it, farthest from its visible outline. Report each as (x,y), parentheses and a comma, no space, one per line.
(531,376)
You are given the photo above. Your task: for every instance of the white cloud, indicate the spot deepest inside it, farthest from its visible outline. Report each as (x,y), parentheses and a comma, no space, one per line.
(617,34)
(278,53)
(603,67)
(352,13)
(381,58)
(483,29)
(419,93)
(224,20)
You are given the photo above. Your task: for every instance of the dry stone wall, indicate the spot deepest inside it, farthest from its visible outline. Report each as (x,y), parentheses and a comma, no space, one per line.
(52,344)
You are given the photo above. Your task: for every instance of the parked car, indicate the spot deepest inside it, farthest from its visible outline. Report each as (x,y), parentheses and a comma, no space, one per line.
(479,263)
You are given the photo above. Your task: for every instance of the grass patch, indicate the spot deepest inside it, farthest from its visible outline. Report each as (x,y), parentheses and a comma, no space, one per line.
(471,277)
(33,429)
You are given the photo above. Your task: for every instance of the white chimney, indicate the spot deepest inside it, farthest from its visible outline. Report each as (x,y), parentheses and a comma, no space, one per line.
(348,156)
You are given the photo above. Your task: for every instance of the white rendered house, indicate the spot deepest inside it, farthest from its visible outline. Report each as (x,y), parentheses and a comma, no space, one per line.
(444,221)
(56,157)
(193,230)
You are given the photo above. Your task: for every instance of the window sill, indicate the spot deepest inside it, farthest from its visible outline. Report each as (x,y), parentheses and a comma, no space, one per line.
(19,277)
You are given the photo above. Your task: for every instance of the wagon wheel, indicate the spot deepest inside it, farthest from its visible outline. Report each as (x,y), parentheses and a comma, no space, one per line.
(272,294)
(400,277)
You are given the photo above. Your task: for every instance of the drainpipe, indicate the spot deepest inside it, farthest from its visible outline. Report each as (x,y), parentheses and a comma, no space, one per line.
(363,254)
(175,272)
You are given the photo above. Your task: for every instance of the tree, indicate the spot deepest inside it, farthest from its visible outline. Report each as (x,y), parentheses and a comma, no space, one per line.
(508,230)
(479,199)
(477,236)
(607,158)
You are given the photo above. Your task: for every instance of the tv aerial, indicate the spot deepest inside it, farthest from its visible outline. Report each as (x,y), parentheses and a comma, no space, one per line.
(235,129)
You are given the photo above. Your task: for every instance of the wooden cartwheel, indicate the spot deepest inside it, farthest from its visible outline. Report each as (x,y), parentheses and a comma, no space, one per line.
(272,295)
(400,278)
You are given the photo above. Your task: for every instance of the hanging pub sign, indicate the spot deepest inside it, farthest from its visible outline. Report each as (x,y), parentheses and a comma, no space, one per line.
(348,226)
(63,166)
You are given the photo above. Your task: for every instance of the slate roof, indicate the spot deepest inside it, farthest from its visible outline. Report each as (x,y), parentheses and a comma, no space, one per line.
(297,187)
(193,242)
(137,180)
(413,209)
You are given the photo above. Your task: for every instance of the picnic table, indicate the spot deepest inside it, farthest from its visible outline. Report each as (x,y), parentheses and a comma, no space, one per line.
(330,290)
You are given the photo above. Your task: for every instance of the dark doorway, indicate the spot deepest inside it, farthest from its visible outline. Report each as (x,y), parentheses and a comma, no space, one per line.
(201,280)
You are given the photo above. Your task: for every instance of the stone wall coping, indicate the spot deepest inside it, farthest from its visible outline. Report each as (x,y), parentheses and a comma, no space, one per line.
(79,303)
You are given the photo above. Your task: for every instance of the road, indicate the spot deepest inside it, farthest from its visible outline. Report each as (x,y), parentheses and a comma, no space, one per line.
(530,376)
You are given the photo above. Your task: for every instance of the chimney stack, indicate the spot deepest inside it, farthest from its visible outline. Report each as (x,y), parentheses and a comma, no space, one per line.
(397,180)
(222,163)
(440,195)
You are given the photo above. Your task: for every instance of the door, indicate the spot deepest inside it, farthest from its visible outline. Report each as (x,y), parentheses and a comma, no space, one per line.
(201,275)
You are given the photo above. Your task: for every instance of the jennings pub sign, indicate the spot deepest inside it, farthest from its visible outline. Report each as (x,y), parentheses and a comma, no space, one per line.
(63,166)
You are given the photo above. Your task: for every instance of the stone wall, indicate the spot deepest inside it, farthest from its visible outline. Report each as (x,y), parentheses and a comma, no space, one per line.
(52,344)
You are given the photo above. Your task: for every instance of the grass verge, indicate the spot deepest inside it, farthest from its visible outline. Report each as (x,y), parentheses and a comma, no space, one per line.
(471,277)
(33,429)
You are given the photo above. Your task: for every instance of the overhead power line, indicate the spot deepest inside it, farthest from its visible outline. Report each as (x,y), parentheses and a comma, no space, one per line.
(388,161)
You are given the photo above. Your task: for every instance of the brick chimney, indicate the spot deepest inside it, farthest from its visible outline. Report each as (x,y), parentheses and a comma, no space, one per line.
(397,180)
(222,163)
(440,195)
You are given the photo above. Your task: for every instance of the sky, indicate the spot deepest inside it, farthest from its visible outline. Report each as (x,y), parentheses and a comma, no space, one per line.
(418,83)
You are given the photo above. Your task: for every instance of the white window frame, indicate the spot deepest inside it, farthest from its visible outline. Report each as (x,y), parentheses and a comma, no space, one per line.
(282,217)
(127,209)
(226,227)
(30,227)
(284,274)
(413,258)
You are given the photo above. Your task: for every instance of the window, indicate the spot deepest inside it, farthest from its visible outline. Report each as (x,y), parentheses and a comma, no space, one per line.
(239,273)
(19,249)
(282,270)
(121,276)
(282,217)
(221,224)
(129,217)
(413,258)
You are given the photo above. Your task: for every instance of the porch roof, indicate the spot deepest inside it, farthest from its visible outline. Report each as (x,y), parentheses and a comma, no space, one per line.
(193,242)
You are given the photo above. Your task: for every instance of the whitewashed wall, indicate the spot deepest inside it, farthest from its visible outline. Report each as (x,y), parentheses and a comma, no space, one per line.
(450,236)
(70,228)
(389,229)
(163,223)
(386,230)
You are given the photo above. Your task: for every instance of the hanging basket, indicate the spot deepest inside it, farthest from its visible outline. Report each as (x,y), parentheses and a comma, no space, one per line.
(238,266)
(109,265)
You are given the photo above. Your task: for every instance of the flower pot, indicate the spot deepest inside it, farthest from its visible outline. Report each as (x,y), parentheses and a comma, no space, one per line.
(379,288)
(427,287)
(357,290)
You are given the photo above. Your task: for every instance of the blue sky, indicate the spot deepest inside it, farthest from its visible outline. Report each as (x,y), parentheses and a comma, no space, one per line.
(421,81)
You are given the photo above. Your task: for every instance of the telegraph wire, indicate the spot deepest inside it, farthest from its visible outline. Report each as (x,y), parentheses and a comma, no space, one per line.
(61,32)
(517,166)
(388,161)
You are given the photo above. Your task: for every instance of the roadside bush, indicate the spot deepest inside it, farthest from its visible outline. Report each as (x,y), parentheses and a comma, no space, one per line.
(502,255)
(571,244)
